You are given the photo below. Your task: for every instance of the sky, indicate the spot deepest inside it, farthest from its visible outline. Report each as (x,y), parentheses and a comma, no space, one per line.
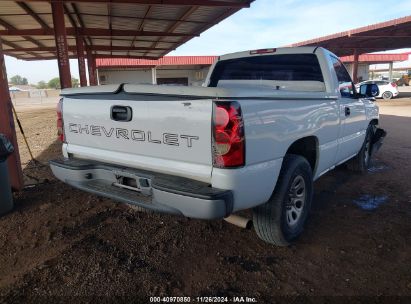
(268,23)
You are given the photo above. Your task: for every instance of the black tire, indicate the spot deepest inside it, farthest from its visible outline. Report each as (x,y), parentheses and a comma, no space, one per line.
(387,95)
(272,219)
(361,162)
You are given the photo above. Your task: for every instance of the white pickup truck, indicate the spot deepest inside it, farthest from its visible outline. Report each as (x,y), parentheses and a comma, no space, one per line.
(265,126)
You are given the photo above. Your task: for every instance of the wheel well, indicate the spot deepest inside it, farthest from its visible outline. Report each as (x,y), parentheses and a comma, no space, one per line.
(306,147)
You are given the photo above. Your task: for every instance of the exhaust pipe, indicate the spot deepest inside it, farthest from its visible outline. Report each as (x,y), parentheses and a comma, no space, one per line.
(239,221)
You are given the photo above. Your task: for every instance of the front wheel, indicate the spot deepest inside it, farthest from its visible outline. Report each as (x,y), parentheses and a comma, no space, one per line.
(281,220)
(361,162)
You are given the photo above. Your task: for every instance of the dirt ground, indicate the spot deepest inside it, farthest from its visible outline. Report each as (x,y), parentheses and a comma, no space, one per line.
(65,243)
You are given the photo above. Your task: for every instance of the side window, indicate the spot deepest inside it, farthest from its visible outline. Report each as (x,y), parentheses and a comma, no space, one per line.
(345,83)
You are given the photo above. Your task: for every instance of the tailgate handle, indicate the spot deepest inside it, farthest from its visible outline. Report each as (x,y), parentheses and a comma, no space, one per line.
(121,113)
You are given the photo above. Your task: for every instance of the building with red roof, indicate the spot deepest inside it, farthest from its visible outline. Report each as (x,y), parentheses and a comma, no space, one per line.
(169,70)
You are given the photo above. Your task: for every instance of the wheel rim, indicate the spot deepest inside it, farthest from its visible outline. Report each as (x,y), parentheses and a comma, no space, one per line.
(386,95)
(295,201)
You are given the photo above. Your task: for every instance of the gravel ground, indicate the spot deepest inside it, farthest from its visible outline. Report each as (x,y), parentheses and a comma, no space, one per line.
(65,243)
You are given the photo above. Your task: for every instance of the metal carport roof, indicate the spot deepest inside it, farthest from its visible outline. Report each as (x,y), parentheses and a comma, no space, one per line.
(116,28)
(389,35)
(63,29)
(377,58)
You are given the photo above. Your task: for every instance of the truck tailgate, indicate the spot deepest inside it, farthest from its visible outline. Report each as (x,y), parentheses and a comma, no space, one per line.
(167,134)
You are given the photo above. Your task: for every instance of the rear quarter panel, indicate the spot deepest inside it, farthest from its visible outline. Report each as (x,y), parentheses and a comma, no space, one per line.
(271,126)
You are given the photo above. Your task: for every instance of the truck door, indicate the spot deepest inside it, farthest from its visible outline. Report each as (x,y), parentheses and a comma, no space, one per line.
(352,115)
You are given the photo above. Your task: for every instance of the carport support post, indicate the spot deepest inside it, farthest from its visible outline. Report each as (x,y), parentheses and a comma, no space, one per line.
(81,61)
(61,43)
(355,67)
(7,126)
(94,68)
(390,67)
(154,75)
(91,65)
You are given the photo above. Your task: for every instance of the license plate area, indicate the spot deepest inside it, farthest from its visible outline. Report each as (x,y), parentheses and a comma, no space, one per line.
(133,182)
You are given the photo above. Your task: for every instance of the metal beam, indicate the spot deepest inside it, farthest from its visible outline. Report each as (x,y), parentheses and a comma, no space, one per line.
(212,3)
(81,22)
(12,45)
(7,126)
(88,32)
(130,57)
(355,66)
(73,23)
(61,44)
(107,48)
(228,12)
(134,18)
(8,26)
(33,14)
(70,17)
(171,28)
(81,61)
(141,26)
(91,63)
(96,56)
(394,35)
(110,24)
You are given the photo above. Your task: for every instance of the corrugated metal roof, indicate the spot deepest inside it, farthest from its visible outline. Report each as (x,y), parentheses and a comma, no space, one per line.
(148,29)
(389,35)
(377,58)
(167,60)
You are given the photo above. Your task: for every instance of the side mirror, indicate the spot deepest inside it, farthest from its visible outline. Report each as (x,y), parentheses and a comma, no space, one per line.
(369,90)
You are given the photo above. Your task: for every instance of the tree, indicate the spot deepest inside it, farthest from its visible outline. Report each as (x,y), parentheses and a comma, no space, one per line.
(18,80)
(54,83)
(41,85)
(75,83)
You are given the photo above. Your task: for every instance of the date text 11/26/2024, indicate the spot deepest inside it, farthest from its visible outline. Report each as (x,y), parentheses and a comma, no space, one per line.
(236,299)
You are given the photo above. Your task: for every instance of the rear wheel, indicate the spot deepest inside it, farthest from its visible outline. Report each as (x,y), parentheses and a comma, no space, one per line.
(387,95)
(281,220)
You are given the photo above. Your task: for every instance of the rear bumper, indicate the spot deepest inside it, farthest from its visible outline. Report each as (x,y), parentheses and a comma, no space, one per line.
(166,193)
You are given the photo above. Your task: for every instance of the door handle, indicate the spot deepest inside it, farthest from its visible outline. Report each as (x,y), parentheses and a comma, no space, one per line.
(121,113)
(347,111)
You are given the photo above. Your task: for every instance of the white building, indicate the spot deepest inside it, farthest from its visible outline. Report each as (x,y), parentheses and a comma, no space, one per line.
(169,70)
(365,60)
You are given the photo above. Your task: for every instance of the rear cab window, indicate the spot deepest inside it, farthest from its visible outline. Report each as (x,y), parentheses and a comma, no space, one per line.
(281,67)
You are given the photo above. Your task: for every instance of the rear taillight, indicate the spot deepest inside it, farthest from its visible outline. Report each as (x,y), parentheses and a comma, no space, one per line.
(228,135)
(60,125)
(393,84)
